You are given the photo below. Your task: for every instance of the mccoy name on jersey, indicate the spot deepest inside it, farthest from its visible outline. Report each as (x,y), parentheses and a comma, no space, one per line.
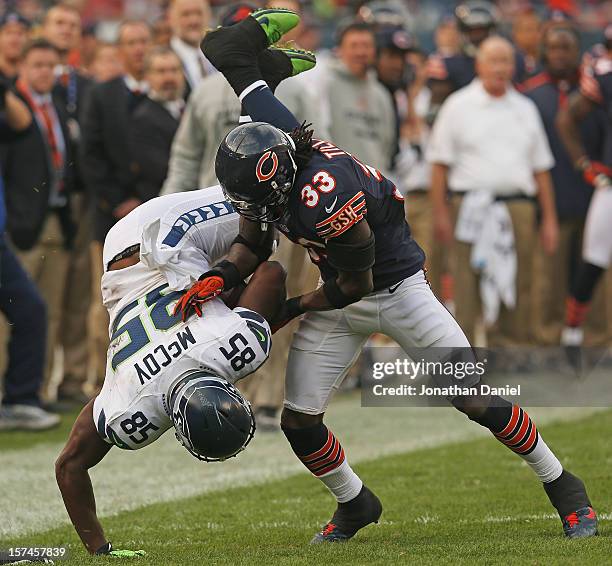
(334,192)
(178,237)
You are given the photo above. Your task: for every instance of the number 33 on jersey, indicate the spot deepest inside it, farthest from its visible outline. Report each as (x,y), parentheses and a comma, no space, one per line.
(335,192)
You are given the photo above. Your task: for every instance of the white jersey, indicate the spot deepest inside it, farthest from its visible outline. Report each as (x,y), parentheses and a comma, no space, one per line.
(179,235)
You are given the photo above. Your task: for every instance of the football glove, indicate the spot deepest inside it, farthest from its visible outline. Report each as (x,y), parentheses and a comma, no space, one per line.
(108,550)
(595,173)
(207,288)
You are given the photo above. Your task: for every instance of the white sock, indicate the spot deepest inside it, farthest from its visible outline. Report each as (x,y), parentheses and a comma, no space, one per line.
(343,482)
(543,462)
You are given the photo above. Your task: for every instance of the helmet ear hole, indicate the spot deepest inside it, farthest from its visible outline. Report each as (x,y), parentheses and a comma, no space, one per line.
(256,168)
(211,418)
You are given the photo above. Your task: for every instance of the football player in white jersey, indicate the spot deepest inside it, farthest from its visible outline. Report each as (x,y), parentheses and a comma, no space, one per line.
(164,372)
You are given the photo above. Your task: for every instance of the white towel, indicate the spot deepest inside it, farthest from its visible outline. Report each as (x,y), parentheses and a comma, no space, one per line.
(487,225)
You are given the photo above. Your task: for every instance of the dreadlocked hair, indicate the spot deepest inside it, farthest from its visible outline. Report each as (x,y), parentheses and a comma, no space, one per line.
(302,137)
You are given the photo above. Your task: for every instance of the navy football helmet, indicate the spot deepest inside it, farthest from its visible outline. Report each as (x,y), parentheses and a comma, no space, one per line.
(476,14)
(256,169)
(212,420)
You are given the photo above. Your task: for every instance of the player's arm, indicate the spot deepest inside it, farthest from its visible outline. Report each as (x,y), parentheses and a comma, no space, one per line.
(252,246)
(568,125)
(352,254)
(83,451)
(440,91)
(549,224)
(439,83)
(443,226)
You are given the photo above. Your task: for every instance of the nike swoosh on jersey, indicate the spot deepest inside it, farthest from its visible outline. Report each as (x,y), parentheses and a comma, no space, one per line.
(395,287)
(328,210)
(261,337)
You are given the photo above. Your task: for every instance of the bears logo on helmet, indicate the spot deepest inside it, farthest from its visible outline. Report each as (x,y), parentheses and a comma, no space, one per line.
(260,166)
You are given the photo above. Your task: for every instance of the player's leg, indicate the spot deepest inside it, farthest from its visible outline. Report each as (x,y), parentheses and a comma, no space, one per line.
(236,52)
(265,292)
(417,320)
(323,350)
(597,254)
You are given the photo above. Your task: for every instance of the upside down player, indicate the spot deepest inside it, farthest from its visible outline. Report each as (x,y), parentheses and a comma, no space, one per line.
(163,372)
(351,220)
(595,90)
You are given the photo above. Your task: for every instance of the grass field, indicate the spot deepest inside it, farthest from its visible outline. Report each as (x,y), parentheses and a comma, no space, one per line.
(465,500)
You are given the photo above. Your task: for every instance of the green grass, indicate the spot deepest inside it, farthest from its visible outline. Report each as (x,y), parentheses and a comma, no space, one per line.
(468,503)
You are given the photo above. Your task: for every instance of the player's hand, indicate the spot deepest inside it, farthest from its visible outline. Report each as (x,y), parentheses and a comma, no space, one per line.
(549,235)
(443,227)
(207,288)
(291,308)
(595,173)
(108,550)
(127,553)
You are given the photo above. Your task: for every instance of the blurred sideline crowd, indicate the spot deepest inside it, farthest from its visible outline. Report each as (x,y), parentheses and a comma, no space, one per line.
(106,104)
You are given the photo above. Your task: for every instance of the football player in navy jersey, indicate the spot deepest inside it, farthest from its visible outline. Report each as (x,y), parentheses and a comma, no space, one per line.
(595,92)
(476,20)
(351,219)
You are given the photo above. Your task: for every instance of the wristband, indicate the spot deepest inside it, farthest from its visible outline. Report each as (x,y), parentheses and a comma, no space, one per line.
(293,307)
(227,271)
(582,163)
(104,549)
(335,296)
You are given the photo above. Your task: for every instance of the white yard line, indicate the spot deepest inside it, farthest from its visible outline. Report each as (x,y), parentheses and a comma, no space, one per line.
(30,501)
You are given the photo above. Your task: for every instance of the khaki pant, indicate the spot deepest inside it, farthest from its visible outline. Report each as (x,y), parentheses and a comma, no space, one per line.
(513,326)
(419,214)
(97,321)
(265,388)
(47,264)
(77,298)
(552,274)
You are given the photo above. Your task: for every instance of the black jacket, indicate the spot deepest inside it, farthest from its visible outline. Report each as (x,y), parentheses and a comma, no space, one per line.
(152,130)
(27,168)
(105,149)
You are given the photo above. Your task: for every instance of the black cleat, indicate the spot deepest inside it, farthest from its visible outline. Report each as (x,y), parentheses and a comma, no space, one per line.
(569,497)
(581,523)
(350,517)
(240,44)
(279,63)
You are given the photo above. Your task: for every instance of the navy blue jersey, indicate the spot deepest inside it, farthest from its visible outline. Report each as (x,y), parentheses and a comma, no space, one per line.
(334,192)
(572,192)
(596,85)
(460,70)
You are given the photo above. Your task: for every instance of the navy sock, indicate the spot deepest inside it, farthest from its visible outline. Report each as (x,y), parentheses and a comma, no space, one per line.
(262,106)
(305,441)
(584,286)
